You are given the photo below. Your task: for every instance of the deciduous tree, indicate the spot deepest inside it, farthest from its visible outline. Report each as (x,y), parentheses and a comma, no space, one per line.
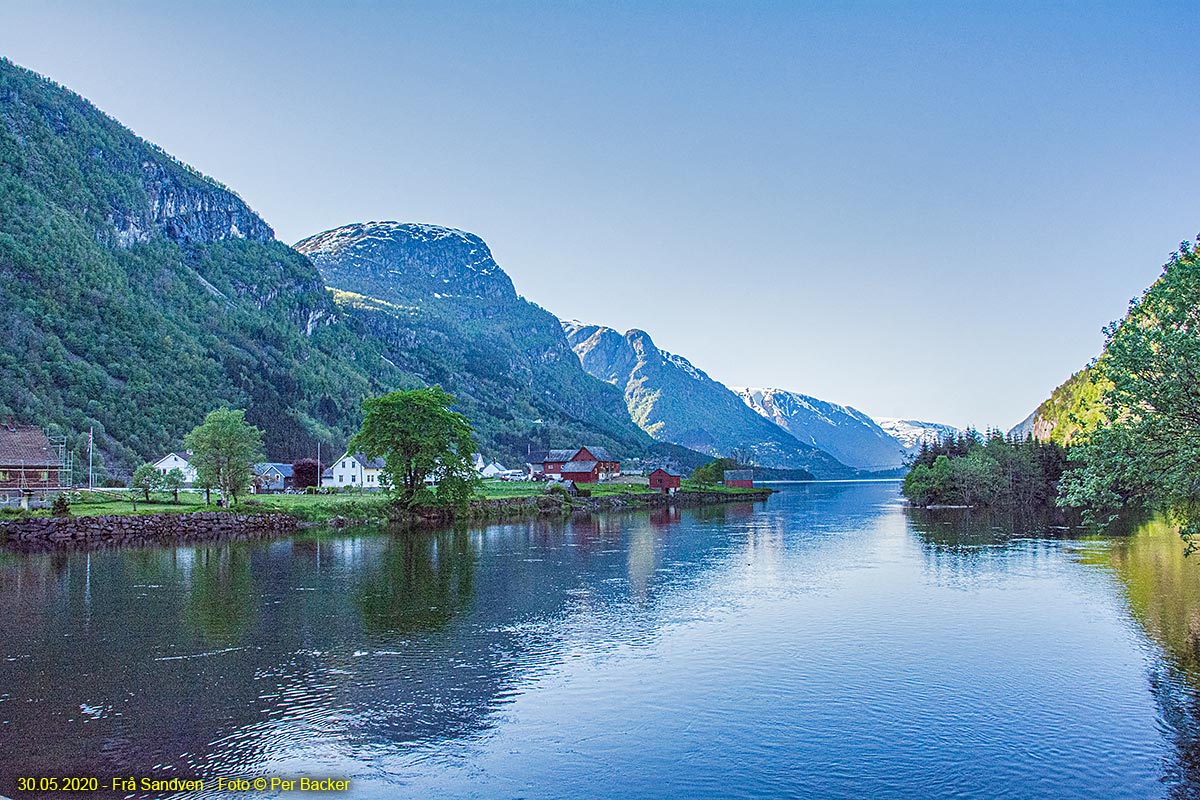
(418,435)
(224,450)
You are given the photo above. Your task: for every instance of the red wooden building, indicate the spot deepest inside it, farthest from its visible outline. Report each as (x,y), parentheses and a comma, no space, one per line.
(583,465)
(740,478)
(29,463)
(664,480)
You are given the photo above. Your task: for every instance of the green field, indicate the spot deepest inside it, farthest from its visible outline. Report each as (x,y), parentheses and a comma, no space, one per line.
(355,505)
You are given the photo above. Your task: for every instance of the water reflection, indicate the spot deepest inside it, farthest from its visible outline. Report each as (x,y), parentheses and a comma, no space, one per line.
(822,644)
(1162,587)
(222,605)
(420,583)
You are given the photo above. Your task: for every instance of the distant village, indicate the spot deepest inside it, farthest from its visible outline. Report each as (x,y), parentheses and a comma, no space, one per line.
(35,464)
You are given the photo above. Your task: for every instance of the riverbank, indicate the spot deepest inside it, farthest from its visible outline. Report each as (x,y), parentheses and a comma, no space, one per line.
(41,533)
(102,520)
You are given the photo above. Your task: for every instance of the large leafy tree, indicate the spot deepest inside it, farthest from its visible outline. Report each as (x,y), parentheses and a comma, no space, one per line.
(418,435)
(1149,455)
(224,450)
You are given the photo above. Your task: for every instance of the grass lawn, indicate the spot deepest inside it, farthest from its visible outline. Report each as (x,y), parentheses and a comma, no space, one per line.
(321,506)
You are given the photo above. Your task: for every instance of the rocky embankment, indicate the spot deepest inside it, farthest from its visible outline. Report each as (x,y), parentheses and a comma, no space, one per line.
(42,533)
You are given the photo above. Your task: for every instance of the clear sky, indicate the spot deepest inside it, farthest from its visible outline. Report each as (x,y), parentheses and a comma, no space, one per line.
(919,209)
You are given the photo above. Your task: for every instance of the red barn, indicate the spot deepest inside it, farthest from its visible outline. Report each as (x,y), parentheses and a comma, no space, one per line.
(581,471)
(741,478)
(583,465)
(664,480)
(554,461)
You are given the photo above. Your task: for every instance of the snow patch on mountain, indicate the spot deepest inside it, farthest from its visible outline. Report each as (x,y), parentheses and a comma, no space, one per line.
(844,432)
(912,433)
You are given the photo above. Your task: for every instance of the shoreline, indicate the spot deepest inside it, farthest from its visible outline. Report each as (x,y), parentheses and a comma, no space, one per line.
(245,523)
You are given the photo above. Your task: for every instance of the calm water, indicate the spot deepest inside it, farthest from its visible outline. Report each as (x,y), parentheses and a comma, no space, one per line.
(823,644)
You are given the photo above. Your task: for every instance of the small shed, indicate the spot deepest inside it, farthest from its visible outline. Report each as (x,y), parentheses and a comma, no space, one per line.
(664,480)
(29,462)
(739,478)
(555,484)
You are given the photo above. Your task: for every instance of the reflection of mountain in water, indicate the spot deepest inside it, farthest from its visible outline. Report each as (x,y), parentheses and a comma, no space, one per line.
(333,644)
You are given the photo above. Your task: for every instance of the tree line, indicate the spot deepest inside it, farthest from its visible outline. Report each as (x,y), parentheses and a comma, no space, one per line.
(1143,452)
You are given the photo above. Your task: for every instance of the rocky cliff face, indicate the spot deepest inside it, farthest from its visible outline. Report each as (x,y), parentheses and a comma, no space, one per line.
(128,189)
(674,401)
(136,295)
(1075,407)
(408,263)
(845,433)
(185,209)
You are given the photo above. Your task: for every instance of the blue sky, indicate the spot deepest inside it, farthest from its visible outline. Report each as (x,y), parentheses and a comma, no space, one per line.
(923,210)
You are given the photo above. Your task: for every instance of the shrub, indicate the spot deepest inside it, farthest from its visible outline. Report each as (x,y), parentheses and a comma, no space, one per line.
(61,506)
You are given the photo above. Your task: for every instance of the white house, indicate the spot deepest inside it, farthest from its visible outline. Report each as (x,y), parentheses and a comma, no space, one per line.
(356,472)
(180,461)
(493,470)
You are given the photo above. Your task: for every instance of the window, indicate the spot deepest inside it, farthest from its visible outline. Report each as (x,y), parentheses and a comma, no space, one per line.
(341,478)
(45,476)
(353,478)
(4,476)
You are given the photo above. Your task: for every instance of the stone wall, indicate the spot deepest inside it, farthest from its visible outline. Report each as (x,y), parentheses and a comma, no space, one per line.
(200,526)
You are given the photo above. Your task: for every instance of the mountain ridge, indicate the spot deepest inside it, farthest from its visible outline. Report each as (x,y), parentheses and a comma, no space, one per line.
(673,400)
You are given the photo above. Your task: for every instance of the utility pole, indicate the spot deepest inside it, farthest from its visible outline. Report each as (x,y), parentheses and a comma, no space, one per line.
(91,479)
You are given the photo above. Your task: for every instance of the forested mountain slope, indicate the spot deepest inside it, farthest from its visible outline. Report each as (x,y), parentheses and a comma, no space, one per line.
(137,294)
(446,312)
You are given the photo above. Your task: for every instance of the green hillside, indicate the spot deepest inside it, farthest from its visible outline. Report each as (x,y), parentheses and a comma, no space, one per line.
(136,294)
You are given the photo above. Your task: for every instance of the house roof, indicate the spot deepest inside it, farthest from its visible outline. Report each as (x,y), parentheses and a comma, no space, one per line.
(538,457)
(374,463)
(580,466)
(670,472)
(600,453)
(327,472)
(180,454)
(739,474)
(283,469)
(26,445)
(561,455)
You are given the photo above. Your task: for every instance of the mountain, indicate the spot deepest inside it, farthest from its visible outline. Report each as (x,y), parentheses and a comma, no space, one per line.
(912,433)
(445,312)
(674,401)
(137,294)
(1074,407)
(845,433)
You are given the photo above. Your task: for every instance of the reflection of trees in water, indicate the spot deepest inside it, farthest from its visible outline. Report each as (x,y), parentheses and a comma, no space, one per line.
(421,583)
(961,546)
(1162,587)
(222,604)
(347,643)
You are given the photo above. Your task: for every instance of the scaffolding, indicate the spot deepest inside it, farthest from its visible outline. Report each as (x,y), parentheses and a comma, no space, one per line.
(22,481)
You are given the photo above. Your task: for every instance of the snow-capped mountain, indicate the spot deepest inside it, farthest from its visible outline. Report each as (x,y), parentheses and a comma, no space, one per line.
(911,433)
(407,261)
(675,401)
(846,433)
